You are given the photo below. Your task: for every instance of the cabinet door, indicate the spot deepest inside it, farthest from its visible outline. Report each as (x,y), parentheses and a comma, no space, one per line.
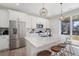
(22,33)
(12,40)
(4,18)
(4,42)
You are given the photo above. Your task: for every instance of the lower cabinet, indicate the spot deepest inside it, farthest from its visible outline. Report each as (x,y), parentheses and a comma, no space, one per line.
(4,42)
(76,50)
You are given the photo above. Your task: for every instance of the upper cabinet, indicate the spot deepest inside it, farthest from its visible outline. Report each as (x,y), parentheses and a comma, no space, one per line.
(4,21)
(15,15)
(38,20)
(31,21)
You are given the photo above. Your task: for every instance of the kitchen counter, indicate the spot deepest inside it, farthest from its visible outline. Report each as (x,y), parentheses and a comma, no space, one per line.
(41,41)
(35,43)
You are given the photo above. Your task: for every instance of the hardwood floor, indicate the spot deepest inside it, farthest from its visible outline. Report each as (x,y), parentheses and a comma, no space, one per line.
(16,52)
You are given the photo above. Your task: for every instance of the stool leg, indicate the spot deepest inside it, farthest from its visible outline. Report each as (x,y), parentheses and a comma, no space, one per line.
(62,52)
(55,54)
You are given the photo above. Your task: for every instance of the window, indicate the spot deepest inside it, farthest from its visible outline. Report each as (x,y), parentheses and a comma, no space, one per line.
(65,26)
(75,25)
(71,26)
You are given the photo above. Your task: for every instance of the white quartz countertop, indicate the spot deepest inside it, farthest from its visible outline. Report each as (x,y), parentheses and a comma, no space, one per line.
(38,41)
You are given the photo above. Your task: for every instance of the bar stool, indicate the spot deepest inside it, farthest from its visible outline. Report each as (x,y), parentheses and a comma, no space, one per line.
(44,53)
(62,46)
(56,50)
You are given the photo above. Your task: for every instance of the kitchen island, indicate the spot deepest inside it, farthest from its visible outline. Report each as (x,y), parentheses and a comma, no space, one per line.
(35,43)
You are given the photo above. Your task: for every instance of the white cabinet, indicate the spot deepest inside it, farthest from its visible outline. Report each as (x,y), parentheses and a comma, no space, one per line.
(37,20)
(31,21)
(13,15)
(75,50)
(4,18)
(4,42)
(28,21)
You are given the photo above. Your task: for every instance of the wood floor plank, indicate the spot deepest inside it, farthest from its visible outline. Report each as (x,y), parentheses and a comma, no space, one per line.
(16,52)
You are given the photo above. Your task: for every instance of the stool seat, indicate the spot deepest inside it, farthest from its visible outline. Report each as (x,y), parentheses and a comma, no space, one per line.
(56,49)
(44,53)
(62,45)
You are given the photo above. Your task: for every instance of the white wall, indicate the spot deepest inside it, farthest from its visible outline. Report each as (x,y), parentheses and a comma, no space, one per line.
(55,26)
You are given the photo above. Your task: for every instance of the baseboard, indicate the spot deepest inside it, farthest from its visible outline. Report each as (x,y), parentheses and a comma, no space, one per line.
(17,48)
(11,49)
(4,50)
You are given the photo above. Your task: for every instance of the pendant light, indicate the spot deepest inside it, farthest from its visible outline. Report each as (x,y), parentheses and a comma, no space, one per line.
(61,15)
(43,11)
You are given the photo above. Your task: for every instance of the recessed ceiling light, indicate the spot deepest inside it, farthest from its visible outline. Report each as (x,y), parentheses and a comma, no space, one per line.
(17,4)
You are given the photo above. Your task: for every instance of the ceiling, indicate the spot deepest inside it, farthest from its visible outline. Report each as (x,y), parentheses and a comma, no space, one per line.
(34,8)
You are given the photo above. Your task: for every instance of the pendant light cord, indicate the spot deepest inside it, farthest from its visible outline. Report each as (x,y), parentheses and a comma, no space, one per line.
(61,8)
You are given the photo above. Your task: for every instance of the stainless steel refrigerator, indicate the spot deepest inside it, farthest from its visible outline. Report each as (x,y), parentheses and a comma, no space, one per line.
(16,34)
